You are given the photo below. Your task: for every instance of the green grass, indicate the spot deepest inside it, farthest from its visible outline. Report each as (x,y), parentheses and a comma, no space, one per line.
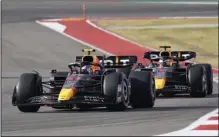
(204,41)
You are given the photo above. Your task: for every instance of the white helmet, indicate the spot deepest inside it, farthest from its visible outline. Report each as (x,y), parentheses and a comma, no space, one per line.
(161,61)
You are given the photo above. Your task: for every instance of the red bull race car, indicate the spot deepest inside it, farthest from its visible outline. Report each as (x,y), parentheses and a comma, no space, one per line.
(92,81)
(176,73)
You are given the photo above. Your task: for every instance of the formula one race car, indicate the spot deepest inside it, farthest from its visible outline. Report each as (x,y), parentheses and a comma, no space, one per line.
(92,81)
(175,72)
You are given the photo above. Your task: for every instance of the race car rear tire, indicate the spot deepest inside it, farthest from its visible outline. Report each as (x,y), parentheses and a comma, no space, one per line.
(110,87)
(143,94)
(27,87)
(209,75)
(197,81)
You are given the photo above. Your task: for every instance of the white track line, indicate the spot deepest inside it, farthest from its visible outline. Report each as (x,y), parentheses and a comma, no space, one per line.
(210,122)
(216,115)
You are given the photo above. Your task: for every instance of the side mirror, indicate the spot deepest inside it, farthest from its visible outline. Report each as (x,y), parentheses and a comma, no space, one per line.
(69,66)
(139,64)
(187,63)
(53,71)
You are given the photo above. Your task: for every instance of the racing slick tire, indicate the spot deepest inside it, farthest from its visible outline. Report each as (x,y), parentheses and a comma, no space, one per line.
(197,80)
(28,86)
(110,86)
(143,94)
(209,75)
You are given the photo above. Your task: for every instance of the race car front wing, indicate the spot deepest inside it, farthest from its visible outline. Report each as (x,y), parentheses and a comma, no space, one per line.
(176,88)
(52,100)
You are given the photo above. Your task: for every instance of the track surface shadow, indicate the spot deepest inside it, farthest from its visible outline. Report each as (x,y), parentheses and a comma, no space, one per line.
(186,96)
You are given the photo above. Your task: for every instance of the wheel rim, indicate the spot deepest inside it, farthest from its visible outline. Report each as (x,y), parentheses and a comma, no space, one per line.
(204,83)
(153,94)
(14,99)
(125,93)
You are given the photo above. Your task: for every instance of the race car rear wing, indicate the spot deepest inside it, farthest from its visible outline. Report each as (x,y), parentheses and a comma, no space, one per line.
(114,61)
(119,61)
(183,55)
(176,55)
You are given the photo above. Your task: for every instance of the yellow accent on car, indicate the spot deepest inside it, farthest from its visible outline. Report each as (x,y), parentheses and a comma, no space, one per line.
(88,51)
(160,83)
(66,94)
(179,54)
(117,59)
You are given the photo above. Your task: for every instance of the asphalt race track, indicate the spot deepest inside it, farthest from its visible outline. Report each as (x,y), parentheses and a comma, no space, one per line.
(28,46)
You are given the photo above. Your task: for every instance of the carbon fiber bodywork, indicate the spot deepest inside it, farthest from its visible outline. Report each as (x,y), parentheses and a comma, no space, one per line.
(174,77)
(89,87)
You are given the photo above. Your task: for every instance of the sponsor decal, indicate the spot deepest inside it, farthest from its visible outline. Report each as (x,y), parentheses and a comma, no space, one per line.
(73,78)
(93,98)
(182,87)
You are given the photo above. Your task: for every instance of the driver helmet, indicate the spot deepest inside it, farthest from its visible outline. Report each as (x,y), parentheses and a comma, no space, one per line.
(164,63)
(74,67)
(95,68)
(90,68)
(168,62)
(86,68)
(161,63)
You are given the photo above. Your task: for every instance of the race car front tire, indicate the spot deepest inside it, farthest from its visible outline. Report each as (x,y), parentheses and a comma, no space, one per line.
(143,94)
(27,87)
(197,80)
(110,87)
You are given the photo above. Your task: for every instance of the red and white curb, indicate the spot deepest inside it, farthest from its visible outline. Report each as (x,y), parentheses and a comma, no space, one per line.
(205,126)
